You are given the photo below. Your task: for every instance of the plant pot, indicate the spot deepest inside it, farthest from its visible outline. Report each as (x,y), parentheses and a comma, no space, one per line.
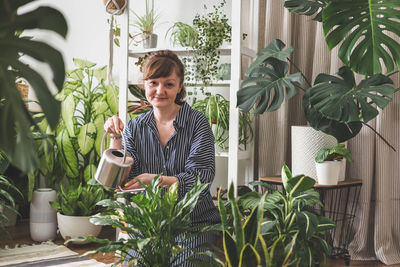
(149,40)
(328,172)
(76,226)
(43,218)
(306,142)
(115,7)
(10,214)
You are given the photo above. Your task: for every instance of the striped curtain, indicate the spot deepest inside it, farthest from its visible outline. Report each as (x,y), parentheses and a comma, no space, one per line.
(377,226)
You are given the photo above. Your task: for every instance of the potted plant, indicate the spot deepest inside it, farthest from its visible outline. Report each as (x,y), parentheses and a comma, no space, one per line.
(75,206)
(86,102)
(213,30)
(182,34)
(336,105)
(329,162)
(137,107)
(145,24)
(216,110)
(153,221)
(289,223)
(9,193)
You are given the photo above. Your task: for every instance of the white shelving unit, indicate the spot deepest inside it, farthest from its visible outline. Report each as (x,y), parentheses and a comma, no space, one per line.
(236,50)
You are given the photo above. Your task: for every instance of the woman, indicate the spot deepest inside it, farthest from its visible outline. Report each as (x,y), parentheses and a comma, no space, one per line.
(172,139)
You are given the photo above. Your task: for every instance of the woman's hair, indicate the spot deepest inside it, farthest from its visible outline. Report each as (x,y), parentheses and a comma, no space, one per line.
(161,64)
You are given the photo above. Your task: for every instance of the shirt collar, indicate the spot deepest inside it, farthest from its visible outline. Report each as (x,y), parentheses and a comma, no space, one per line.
(180,120)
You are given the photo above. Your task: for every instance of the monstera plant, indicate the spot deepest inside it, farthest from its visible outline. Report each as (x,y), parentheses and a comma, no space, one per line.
(15,121)
(338,106)
(86,103)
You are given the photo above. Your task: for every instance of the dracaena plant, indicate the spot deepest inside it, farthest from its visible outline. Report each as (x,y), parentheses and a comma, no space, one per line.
(244,242)
(86,103)
(290,218)
(338,106)
(153,222)
(15,121)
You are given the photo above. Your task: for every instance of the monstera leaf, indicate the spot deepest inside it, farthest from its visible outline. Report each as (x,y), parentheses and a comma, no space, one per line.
(338,105)
(268,76)
(307,7)
(364,28)
(15,121)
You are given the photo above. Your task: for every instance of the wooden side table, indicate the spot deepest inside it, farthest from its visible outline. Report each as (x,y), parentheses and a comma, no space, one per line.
(339,204)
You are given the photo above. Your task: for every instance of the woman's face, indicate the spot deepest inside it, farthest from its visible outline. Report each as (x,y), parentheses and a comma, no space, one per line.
(161,92)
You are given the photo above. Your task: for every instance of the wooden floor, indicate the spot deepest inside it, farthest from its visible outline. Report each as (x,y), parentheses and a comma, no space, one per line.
(19,235)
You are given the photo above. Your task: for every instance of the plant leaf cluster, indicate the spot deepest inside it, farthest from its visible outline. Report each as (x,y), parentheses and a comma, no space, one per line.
(216,110)
(145,23)
(182,34)
(80,200)
(15,133)
(307,7)
(8,191)
(284,224)
(213,29)
(157,223)
(86,102)
(337,152)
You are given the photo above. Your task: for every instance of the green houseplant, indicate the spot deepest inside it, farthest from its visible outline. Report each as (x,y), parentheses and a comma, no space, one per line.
(338,106)
(86,102)
(289,218)
(153,225)
(74,207)
(182,34)
(213,29)
(15,138)
(8,192)
(330,164)
(145,24)
(216,110)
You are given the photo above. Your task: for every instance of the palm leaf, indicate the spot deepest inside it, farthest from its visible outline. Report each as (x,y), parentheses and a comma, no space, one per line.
(307,7)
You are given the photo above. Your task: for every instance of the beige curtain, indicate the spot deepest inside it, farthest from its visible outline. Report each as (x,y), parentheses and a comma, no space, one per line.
(377,226)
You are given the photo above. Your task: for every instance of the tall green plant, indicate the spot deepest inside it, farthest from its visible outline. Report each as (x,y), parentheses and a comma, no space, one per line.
(15,121)
(289,217)
(243,241)
(86,102)
(153,225)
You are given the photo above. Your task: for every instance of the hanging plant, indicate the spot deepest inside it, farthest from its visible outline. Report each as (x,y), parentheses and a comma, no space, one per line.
(213,29)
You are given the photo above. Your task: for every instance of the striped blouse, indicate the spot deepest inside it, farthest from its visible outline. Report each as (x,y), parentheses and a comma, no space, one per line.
(189,151)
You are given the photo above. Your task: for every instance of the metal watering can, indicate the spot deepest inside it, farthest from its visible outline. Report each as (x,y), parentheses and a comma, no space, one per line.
(114,166)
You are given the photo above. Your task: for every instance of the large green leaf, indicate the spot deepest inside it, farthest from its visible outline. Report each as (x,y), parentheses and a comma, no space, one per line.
(81,63)
(344,101)
(86,137)
(249,256)
(307,223)
(89,172)
(267,83)
(67,114)
(112,98)
(364,27)
(99,124)
(237,220)
(307,7)
(68,154)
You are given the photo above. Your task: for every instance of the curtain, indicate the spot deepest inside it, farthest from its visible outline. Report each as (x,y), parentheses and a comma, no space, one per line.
(376,228)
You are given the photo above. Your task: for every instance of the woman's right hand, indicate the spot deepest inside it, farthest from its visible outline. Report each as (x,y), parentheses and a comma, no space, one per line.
(114,125)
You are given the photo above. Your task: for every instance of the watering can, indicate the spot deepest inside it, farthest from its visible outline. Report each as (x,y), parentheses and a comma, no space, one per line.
(114,166)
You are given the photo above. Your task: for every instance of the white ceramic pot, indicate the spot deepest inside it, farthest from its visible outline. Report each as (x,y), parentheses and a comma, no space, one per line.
(76,226)
(306,143)
(43,218)
(328,172)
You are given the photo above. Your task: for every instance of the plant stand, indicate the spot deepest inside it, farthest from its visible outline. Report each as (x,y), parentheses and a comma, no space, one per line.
(339,204)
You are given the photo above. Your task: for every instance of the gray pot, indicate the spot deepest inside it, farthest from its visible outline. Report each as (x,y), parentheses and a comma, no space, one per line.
(149,40)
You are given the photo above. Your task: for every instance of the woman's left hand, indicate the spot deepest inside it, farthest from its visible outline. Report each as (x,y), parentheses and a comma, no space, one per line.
(145,178)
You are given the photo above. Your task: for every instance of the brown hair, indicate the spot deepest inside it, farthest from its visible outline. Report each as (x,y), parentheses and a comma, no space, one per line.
(161,64)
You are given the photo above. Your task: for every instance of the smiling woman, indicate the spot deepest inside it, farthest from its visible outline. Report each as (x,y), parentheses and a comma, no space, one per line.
(171,139)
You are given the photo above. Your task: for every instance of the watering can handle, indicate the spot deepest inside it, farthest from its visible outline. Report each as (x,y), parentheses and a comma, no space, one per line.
(104,140)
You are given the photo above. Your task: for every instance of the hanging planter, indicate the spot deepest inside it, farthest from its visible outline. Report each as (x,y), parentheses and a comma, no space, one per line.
(115,7)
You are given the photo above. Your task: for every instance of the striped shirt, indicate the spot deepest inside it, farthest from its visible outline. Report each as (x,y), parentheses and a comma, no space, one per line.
(188,152)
